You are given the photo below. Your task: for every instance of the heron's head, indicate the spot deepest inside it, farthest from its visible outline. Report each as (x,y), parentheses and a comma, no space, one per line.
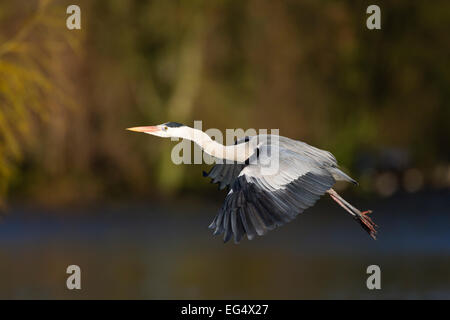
(165,130)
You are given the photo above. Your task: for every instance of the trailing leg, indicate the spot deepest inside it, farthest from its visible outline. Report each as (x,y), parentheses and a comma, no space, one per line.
(361,217)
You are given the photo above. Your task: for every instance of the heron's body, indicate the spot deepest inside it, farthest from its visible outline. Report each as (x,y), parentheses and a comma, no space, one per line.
(260,199)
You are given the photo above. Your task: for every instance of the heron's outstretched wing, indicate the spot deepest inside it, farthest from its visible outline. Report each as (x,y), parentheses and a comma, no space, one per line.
(225,174)
(257,203)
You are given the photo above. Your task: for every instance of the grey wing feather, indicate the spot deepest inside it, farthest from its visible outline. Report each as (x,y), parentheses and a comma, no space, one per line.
(302,148)
(322,157)
(224,174)
(260,202)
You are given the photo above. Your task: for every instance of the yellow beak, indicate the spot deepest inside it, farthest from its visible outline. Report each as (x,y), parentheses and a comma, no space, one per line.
(145,129)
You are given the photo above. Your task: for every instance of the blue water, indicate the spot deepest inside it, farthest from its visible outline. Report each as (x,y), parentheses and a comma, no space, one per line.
(165,251)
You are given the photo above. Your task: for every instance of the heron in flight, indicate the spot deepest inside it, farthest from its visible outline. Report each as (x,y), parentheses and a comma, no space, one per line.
(260,200)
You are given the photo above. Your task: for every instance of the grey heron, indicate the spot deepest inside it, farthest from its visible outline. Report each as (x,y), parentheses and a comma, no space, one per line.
(259,201)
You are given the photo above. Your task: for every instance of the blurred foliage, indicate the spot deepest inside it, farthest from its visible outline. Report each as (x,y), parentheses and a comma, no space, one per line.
(310,68)
(28,79)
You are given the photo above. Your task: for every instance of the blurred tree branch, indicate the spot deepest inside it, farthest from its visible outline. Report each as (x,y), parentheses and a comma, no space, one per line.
(25,85)
(180,105)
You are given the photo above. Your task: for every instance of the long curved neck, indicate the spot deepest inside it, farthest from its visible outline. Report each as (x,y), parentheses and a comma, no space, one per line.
(240,152)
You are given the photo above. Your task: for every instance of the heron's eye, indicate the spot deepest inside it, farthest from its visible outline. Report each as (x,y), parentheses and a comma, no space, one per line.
(165,128)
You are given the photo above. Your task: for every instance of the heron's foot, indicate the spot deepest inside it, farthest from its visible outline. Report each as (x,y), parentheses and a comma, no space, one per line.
(366,222)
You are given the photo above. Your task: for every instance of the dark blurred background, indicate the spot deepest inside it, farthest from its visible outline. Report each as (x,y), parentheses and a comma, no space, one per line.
(76,188)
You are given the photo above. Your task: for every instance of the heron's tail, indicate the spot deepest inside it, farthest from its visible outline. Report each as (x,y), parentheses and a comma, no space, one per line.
(361,217)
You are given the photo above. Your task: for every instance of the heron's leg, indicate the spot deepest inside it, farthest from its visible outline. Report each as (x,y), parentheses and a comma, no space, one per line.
(331,192)
(361,217)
